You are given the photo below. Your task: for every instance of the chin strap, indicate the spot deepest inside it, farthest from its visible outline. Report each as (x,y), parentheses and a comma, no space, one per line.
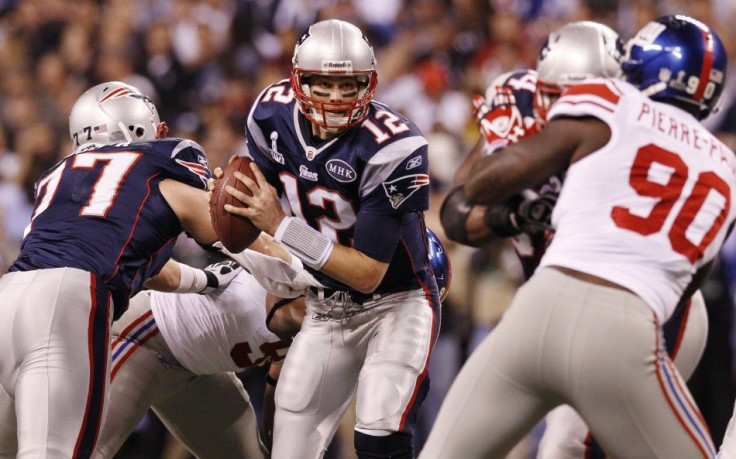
(125,132)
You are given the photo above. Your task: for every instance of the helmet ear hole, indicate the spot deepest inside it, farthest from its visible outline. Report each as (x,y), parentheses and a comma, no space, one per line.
(138,131)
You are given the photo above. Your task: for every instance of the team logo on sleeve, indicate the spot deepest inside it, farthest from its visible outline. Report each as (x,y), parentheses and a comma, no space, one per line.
(200,168)
(400,189)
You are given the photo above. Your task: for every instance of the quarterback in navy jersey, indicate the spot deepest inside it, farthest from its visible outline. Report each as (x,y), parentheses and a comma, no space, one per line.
(105,220)
(344,186)
(353,174)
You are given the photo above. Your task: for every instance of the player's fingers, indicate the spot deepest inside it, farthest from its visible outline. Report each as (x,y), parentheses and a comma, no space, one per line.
(274,192)
(239,195)
(217,172)
(237,210)
(260,178)
(248,182)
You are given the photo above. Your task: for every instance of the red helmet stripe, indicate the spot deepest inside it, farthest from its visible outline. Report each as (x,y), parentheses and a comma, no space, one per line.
(116,93)
(707,64)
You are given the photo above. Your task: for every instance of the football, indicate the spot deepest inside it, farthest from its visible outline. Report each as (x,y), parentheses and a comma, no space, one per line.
(235,232)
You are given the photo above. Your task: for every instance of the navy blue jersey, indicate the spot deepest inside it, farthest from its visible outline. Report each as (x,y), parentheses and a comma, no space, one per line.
(510,118)
(102,211)
(366,188)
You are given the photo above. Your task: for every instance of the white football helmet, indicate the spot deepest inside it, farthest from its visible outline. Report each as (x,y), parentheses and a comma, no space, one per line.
(334,48)
(572,53)
(112,112)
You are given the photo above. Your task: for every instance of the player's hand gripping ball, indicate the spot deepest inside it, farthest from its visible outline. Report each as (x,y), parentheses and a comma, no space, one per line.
(235,232)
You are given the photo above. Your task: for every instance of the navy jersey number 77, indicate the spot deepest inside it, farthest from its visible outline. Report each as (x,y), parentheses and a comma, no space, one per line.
(101,211)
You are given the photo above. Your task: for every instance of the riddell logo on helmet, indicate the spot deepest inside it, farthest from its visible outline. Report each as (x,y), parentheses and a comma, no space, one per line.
(337,65)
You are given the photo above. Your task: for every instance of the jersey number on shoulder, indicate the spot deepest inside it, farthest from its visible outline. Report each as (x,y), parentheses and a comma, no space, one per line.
(392,123)
(321,198)
(651,156)
(278,94)
(104,191)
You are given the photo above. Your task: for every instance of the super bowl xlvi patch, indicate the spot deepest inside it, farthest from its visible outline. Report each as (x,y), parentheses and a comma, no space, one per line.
(278,157)
(341,171)
(400,189)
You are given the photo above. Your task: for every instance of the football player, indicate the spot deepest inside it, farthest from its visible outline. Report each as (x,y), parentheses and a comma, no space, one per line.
(354,173)
(515,107)
(177,353)
(645,206)
(105,220)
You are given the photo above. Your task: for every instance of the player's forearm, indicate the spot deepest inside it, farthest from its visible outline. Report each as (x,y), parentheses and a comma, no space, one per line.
(355,269)
(191,206)
(267,246)
(475,225)
(167,279)
(478,232)
(285,315)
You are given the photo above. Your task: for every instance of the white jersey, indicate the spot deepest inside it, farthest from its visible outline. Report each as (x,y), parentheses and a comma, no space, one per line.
(661,199)
(221,331)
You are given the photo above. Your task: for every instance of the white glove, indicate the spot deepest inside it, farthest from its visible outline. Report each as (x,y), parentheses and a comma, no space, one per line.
(287,280)
(219,275)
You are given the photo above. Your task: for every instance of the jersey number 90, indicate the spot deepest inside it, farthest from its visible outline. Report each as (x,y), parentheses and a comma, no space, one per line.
(668,194)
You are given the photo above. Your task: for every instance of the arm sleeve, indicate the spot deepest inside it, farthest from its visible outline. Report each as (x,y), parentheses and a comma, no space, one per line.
(395,180)
(258,150)
(378,235)
(185,161)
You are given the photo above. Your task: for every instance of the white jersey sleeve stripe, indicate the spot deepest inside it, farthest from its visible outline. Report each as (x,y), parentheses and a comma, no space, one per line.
(186,143)
(252,126)
(576,103)
(257,133)
(586,97)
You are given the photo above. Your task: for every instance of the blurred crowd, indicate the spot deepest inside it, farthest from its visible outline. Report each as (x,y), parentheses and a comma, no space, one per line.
(204,62)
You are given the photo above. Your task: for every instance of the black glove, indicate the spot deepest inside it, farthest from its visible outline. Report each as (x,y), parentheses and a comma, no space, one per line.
(534,216)
(220,274)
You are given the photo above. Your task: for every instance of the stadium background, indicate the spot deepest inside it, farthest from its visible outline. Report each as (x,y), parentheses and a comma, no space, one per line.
(205,61)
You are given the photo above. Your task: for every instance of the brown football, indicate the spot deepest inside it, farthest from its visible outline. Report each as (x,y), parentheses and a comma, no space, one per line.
(235,232)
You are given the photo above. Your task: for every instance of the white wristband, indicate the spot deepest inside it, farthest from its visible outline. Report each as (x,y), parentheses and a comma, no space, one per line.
(191,280)
(311,246)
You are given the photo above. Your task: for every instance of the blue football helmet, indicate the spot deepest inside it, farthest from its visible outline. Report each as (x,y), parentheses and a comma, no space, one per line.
(439,261)
(678,58)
